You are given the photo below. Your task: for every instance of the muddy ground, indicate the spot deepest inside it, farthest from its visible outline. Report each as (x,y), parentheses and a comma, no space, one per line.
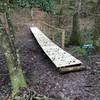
(44,78)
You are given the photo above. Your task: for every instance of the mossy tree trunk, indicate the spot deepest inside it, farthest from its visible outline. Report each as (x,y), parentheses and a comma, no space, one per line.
(75,36)
(12,59)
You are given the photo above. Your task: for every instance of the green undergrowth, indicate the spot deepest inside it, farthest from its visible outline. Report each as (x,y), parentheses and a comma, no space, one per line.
(46,5)
(98,42)
(77,51)
(87,36)
(28,94)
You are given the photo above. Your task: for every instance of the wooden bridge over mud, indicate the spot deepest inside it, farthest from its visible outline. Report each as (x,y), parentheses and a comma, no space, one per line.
(64,61)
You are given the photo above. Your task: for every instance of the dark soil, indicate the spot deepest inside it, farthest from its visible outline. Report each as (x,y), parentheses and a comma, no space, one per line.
(42,75)
(44,78)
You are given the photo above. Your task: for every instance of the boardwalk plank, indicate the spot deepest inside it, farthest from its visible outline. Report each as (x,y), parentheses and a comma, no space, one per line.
(57,55)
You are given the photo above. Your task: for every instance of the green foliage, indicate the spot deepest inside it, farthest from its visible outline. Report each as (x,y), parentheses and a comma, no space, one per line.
(87,6)
(46,5)
(91,1)
(98,38)
(28,94)
(87,36)
(72,3)
(97,41)
(4,7)
(71,7)
(78,51)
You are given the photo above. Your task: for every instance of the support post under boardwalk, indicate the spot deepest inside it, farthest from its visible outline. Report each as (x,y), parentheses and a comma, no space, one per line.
(60,58)
(63,39)
(53,36)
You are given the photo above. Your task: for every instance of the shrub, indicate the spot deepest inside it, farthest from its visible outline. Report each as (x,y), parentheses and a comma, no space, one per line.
(46,5)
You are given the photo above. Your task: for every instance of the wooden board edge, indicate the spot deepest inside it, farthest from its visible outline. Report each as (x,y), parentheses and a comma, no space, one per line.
(72,69)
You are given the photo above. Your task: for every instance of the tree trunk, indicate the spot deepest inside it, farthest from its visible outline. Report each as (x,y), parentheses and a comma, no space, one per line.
(96,33)
(97,18)
(75,36)
(12,60)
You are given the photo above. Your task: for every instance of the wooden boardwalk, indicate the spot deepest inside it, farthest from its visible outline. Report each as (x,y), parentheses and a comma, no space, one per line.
(64,61)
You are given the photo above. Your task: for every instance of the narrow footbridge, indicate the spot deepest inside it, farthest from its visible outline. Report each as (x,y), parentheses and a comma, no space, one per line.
(63,61)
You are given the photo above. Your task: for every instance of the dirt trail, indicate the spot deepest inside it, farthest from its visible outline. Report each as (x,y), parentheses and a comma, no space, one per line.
(42,76)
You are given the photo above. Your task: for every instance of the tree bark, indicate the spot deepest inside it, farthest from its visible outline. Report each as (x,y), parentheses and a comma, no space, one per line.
(97,18)
(96,33)
(12,60)
(75,36)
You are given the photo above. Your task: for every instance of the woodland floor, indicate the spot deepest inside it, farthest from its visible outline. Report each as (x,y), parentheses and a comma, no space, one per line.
(43,77)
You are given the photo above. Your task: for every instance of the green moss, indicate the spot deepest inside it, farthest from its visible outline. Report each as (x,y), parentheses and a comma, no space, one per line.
(15,71)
